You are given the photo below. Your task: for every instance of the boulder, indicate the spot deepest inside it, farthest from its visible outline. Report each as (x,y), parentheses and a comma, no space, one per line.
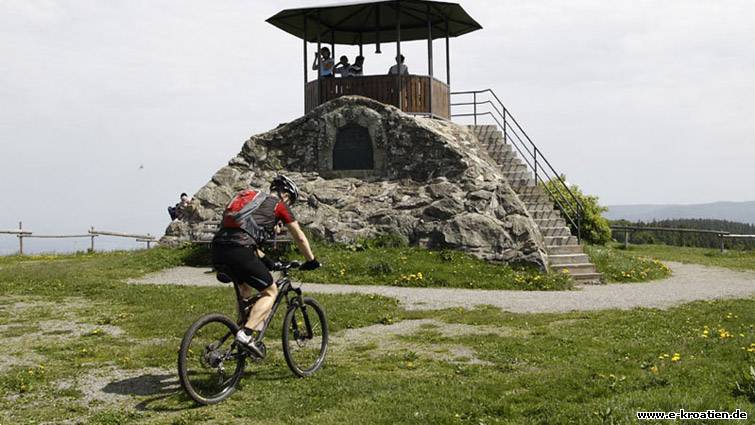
(430,181)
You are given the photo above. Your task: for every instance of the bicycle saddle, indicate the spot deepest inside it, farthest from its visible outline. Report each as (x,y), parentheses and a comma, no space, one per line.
(224,273)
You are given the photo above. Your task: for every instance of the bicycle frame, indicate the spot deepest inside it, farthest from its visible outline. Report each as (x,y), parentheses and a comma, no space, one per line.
(284,287)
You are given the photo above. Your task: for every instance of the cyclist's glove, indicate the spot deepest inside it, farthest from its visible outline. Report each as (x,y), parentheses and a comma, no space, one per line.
(310,265)
(268,262)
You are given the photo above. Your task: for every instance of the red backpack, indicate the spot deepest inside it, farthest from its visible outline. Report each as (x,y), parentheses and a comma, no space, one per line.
(239,214)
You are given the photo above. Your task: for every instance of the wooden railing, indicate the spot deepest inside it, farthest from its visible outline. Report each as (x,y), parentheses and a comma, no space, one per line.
(415,91)
(721,234)
(22,234)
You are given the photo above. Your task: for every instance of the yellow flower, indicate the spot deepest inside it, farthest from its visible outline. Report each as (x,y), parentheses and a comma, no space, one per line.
(654,370)
(676,357)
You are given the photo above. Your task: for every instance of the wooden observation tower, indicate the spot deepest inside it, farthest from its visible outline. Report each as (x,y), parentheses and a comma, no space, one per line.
(376,22)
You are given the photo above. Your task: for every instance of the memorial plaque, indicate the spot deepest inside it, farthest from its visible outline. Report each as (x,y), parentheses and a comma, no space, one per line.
(353,149)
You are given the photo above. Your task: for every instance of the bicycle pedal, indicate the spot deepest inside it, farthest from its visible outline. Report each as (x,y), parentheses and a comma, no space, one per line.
(252,354)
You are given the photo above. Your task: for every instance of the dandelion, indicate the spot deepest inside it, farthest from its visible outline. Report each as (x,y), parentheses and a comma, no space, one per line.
(654,370)
(676,357)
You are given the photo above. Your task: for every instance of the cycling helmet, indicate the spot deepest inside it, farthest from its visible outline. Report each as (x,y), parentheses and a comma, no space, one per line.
(282,183)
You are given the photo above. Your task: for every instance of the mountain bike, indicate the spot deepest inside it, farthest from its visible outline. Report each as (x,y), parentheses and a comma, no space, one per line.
(211,362)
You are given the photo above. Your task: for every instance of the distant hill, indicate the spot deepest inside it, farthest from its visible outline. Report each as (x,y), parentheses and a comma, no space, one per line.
(743,212)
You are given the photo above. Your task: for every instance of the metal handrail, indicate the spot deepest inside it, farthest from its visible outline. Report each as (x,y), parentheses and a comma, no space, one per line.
(534,158)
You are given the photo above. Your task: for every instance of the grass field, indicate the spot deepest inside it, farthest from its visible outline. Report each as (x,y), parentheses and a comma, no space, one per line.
(622,266)
(737,260)
(78,344)
(418,267)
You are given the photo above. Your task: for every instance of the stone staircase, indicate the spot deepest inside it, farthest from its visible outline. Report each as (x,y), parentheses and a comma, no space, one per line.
(564,251)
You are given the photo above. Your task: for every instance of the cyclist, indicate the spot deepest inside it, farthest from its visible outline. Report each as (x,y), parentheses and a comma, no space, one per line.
(248,220)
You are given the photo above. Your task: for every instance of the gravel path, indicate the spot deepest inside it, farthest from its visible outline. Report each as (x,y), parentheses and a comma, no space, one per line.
(689,282)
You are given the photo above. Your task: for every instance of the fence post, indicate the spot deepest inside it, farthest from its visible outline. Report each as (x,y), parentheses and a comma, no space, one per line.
(91,245)
(21,238)
(626,239)
(721,236)
(505,138)
(474,105)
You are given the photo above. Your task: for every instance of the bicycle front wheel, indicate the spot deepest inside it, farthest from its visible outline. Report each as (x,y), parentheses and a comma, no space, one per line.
(210,363)
(305,337)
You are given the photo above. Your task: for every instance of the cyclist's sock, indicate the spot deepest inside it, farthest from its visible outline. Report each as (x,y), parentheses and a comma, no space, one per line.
(251,333)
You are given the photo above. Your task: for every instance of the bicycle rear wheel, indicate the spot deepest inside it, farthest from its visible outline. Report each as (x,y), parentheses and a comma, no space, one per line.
(305,337)
(207,349)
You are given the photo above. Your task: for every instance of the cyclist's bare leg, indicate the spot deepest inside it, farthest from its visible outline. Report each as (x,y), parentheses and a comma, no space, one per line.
(246,291)
(262,308)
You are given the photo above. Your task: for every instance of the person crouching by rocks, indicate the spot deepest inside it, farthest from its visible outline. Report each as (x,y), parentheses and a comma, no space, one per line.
(178,212)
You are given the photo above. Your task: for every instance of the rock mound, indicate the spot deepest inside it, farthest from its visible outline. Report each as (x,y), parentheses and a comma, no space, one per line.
(366,168)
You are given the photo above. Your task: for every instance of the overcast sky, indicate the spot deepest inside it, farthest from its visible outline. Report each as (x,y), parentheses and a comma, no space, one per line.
(636,101)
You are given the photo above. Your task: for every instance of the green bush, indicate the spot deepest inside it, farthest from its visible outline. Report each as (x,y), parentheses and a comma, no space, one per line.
(595,228)
(381,268)
(621,266)
(385,240)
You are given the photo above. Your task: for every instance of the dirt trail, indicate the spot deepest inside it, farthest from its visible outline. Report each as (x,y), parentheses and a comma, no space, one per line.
(689,282)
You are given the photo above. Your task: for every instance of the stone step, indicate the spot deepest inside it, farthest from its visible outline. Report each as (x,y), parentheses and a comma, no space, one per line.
(578,258)
(560,240)
(574,268)
(508,154)
(498,149)
(534,198)
(551,222)
(555,231)
(517,175)
(564,249)
(588,278)
(495,144)
(483,129)
(514,168)
(508,163)
(539,206)
(485,136)
(544,214)
(526,190)
(518,182)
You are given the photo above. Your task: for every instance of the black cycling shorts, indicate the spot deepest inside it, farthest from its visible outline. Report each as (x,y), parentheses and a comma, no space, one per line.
(243,263)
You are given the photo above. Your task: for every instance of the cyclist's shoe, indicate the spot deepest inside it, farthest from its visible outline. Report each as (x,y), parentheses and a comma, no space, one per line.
(310,265)
(247,340)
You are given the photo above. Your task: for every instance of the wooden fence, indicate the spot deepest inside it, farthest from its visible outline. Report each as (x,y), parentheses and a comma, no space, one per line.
(420,94)
(22,234)
(722,234)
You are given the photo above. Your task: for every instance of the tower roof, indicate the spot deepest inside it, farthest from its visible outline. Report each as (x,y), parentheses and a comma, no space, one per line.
(375,21)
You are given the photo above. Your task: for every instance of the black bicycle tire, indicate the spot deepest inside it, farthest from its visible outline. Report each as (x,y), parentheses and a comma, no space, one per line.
(183,372)
(303,373)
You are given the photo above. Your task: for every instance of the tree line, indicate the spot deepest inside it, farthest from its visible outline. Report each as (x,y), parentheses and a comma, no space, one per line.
(705,240)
